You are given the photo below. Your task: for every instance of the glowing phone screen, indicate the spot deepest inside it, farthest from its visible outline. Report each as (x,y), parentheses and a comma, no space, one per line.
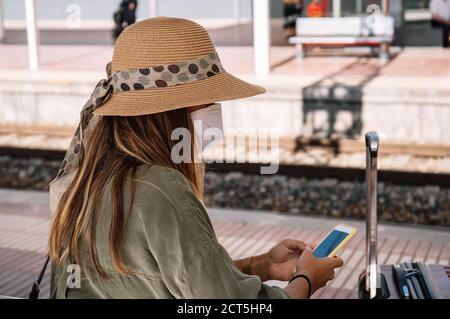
(330,243)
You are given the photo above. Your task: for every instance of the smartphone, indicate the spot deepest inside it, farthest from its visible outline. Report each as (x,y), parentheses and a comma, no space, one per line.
(334,241)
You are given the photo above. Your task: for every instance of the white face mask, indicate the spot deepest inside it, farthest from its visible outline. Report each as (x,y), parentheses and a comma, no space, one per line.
(208,127)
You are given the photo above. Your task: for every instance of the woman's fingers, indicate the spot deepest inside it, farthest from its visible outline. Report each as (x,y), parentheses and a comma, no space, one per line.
(294,244)
(298,244)
(336,262)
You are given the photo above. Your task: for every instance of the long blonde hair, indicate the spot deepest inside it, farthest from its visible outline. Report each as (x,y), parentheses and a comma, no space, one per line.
(117,147)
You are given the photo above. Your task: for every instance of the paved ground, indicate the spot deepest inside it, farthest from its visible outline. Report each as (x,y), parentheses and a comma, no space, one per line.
(427,62)
(223,32)
(24,222)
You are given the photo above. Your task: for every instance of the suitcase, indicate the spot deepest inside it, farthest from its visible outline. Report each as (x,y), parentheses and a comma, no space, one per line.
(405,281)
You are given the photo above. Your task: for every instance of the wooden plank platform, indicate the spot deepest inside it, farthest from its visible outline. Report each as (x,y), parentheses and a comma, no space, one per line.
(25,218)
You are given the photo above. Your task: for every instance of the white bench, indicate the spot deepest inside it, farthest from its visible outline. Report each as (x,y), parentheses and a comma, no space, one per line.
(372,31)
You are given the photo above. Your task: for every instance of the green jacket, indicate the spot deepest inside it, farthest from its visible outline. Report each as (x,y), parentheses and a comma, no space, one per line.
(170,247)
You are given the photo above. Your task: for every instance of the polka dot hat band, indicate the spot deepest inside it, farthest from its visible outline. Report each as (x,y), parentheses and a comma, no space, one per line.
(158,65)
(167,75)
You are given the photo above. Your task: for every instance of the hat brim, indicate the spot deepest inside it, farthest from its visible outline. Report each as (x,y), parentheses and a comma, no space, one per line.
(218,88)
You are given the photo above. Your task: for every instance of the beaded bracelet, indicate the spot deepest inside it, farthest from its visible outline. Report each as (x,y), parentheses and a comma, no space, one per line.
(307,280)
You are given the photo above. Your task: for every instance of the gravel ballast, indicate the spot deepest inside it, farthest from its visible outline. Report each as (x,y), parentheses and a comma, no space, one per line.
(427,205)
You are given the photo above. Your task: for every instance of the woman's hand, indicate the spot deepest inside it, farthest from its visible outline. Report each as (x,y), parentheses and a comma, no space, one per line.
(277,264)
(281,259)
(318,270)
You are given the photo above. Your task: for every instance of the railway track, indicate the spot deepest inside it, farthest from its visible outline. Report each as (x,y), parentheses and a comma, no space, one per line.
(336,145)
(308,171)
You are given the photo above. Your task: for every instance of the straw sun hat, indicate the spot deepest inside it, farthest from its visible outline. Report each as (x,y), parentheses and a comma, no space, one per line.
(164,63)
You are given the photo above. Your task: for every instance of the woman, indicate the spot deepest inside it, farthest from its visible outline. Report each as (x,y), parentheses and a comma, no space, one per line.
(127,215)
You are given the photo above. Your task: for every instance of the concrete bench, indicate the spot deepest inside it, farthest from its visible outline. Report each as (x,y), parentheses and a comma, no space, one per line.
(371,31)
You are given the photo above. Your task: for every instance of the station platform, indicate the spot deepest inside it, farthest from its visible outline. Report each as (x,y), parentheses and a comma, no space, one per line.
(25,219)
(338,95)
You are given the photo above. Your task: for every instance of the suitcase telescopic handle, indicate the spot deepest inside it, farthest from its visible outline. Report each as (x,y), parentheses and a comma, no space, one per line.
(372,273)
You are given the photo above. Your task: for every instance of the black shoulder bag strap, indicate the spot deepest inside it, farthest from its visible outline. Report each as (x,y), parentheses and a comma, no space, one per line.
(34,294)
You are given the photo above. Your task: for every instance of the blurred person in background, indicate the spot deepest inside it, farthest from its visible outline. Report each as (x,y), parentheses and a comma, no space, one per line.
(292,10)
(127,202)
(124,16)
(440,18)
(315,9)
